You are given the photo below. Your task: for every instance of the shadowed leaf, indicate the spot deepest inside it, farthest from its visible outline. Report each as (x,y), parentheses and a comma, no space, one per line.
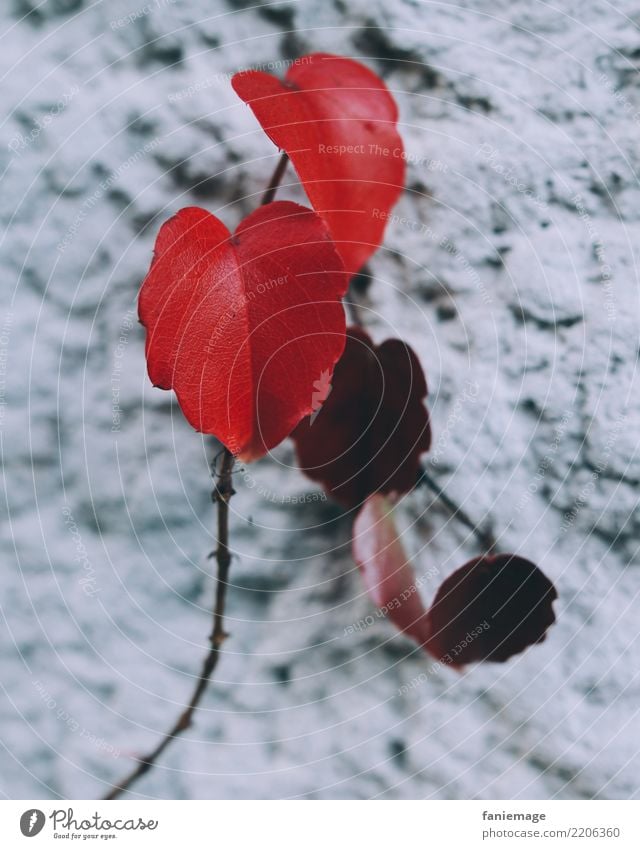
(373,426)
(490,609)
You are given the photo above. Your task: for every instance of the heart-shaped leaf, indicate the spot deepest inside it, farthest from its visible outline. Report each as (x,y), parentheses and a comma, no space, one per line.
(241,326)
(388,575)
(373,426)
(337,122)
(490,609)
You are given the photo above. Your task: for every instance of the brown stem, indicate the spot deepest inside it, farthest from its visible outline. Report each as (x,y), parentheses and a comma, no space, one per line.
(222,492)
(486,538)
(274,182)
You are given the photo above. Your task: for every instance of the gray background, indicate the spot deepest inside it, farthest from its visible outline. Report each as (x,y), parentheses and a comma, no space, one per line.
(512,270)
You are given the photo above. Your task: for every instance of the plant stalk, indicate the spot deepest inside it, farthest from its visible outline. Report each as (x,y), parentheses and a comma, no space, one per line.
(223,490)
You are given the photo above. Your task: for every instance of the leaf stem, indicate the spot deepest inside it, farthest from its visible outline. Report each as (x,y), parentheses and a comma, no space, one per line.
(485,537)
(274,182)
(223,490)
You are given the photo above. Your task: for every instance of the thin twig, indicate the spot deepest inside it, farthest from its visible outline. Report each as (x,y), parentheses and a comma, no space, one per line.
(222,493)
(274,182)
(486,538)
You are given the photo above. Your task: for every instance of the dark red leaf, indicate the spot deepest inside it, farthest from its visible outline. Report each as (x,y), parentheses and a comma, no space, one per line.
(241,326)
(388,574)
(371,430)
(337,121)
(490,609)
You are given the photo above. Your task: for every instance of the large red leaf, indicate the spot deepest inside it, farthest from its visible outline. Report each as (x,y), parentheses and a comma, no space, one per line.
(387,573)
(490,609)
(373,426)
(337,122)
(241,326)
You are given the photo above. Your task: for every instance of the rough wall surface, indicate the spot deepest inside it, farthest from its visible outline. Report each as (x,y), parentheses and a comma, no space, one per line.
(511,267)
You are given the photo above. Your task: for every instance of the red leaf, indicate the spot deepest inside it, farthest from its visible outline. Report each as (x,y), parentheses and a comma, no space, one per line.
(373,426)
(490,609)
(388,575)
(337,121)
(241,326)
